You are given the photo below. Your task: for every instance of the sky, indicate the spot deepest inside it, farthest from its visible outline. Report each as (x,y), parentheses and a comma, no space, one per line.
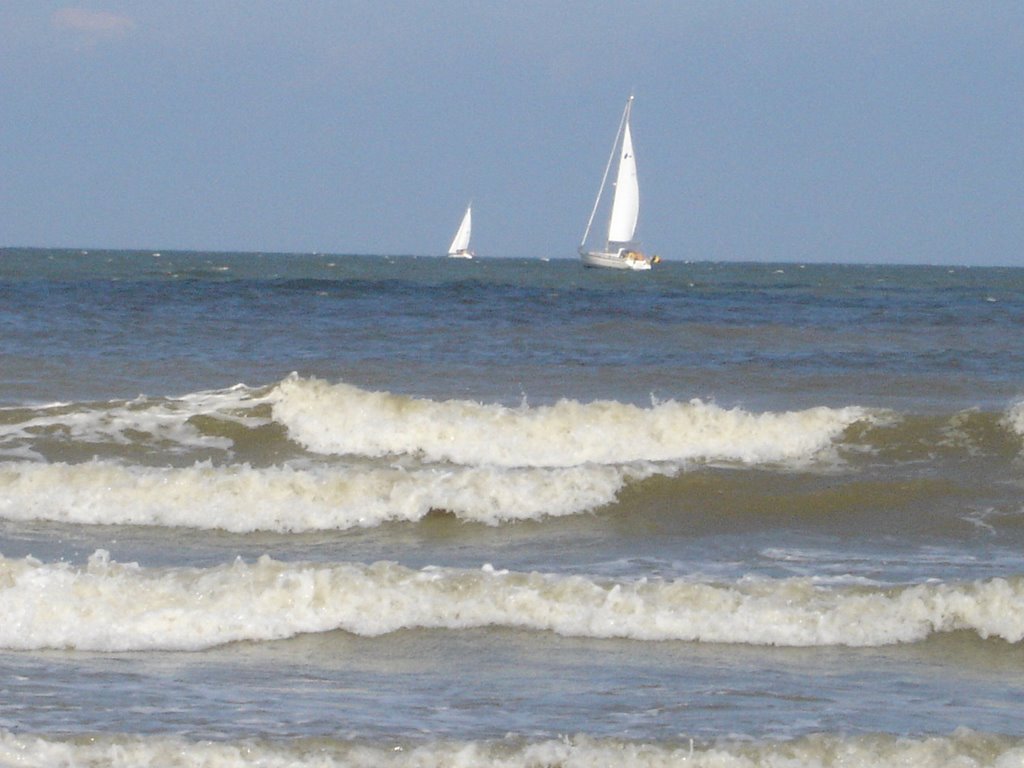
(797,131)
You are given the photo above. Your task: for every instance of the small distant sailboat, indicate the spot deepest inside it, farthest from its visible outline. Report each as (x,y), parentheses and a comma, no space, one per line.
(459,249)
(620,250)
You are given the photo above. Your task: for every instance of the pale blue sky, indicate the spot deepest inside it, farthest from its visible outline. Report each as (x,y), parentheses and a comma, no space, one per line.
(767,131)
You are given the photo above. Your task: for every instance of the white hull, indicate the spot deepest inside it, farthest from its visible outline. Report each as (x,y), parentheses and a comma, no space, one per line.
(613,260)
(460,255)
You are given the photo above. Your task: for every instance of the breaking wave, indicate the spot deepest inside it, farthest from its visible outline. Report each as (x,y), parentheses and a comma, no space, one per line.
(963,747)
(343,419)
(305,455)
(107,606)
(242,499)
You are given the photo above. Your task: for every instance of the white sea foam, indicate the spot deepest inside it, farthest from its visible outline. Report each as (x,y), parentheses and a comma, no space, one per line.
(164,420)
(343,419)
(1013,419)
(108,606)
(963,748)
(241,498)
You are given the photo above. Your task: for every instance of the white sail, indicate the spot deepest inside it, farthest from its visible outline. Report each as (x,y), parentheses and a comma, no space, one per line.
(460,243)
(626,200)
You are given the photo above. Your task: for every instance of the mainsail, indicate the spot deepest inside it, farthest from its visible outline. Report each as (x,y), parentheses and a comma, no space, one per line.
(626,200)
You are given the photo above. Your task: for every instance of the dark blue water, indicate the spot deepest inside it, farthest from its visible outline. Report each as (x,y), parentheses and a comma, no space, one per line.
(778,335)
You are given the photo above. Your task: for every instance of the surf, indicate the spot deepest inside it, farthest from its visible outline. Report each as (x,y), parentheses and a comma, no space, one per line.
(342,419)
(110,606)
(241,498)
(962,747)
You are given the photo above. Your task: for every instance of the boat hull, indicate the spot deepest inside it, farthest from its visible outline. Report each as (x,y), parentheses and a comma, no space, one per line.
(460,255)
(619,260)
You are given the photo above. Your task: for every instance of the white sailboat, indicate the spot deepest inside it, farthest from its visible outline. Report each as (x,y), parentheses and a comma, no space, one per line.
(459,249)
(620,250)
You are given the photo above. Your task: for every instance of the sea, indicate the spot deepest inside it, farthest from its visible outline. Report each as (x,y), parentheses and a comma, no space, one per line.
(354,510)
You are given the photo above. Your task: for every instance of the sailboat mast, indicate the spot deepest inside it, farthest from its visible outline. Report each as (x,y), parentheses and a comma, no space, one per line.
(607,168)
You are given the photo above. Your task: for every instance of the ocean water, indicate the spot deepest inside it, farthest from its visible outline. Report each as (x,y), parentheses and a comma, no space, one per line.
(328,510)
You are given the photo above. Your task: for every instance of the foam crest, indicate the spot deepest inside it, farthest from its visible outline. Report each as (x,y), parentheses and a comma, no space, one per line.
(242,499)
(343,419)
(964,747)
(1013,419)
(108,606)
